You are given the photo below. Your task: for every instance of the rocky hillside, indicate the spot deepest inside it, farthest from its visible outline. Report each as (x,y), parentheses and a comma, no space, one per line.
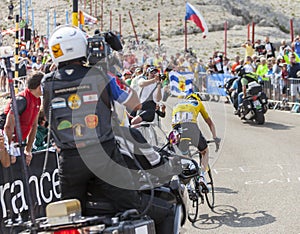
(272,18)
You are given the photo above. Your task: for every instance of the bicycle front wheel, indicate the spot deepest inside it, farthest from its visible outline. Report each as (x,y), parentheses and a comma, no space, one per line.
(210,194)
(193,200)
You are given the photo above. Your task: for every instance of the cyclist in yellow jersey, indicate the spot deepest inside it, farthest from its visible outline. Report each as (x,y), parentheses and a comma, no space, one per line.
(184,116)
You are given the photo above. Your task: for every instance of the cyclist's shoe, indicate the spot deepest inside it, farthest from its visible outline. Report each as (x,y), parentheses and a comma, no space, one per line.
(203,184)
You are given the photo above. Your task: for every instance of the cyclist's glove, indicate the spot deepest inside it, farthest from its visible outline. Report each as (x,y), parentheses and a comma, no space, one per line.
(217,142)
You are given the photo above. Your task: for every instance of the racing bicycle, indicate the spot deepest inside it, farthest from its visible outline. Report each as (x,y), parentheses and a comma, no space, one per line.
(197,191)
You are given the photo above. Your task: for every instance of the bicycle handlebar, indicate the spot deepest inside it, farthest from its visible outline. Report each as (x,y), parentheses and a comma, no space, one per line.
(216,141)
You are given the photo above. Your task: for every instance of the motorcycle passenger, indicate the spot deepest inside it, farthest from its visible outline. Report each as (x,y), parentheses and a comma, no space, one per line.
(184,115)
(246,78)
(234,90)
(77,101)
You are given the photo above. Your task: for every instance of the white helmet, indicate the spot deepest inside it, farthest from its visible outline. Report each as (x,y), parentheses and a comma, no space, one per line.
(67,43)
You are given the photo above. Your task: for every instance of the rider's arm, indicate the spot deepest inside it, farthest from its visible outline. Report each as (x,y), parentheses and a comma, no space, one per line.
(212,127)
(244,86)
(207,119)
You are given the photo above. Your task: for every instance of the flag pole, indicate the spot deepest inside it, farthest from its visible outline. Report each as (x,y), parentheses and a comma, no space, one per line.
(225,40)
(185,35)
(136,37)
(185,31)
(75,13)
(158,30)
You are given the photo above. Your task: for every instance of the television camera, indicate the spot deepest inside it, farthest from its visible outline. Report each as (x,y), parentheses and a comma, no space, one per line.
(101,45)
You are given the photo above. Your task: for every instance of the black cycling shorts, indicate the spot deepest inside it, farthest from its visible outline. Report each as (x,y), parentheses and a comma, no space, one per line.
(148,111)
(191,131)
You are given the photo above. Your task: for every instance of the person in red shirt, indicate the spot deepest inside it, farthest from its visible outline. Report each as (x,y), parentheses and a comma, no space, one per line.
(28,102)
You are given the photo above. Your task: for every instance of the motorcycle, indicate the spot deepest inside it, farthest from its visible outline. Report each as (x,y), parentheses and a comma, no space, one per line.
(64,217)
(255,104)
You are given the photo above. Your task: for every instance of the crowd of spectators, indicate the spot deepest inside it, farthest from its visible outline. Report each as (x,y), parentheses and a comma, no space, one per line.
(270,63)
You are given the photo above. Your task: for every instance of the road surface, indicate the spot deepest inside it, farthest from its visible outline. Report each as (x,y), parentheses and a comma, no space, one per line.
(256,173)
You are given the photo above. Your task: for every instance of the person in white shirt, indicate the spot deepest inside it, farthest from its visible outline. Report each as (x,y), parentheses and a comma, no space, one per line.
(150,93)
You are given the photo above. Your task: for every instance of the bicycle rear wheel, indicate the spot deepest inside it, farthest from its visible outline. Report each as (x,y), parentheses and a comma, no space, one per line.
(193,200)
(210,194)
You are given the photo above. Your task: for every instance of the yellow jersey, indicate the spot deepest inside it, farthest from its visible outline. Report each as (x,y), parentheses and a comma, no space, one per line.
(187,111)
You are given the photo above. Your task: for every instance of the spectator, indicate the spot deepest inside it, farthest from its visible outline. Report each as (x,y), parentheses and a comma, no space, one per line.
(165,62)
(269,48)
(284,83)
(249,51)
(40,142)
(2,76)
(248,65)
(259,48)
(11,10)
(283,48)
(1,38)
(29,102)
(226,66)
(293,72)
(157,59)
(150,94)
(235,63)
(138,73)
(4,149)
(183,64)
(24,61)
(277,74)
(37,66)
(262,69)
(296,45)
(217,61)
(126,76)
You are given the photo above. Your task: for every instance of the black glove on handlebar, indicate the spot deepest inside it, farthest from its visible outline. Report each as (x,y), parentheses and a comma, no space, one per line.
(217,142)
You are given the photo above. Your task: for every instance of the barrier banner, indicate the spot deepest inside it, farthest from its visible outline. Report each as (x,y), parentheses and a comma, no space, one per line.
(215,83)
(44,188)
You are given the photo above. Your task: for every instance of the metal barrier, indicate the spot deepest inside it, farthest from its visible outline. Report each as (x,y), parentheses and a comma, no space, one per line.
(282,93)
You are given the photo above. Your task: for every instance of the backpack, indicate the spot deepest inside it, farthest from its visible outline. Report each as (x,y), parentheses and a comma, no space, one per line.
(21,105)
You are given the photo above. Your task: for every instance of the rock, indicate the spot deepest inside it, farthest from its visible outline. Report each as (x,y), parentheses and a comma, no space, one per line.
(271,18)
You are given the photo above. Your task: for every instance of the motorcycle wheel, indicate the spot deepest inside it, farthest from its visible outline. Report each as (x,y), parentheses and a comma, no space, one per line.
(193,201)
(259,118)
(210,194)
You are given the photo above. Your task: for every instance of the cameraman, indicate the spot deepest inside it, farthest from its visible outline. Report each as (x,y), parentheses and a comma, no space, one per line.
(77,102)
(150,94)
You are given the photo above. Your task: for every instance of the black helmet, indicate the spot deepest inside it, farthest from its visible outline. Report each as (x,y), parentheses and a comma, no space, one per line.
(195,96)
(239,70)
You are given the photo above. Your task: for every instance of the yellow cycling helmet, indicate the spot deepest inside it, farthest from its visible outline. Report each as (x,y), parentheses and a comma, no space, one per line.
(195,96)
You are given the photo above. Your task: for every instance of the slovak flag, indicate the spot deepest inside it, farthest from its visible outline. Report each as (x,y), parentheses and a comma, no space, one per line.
(194,15)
